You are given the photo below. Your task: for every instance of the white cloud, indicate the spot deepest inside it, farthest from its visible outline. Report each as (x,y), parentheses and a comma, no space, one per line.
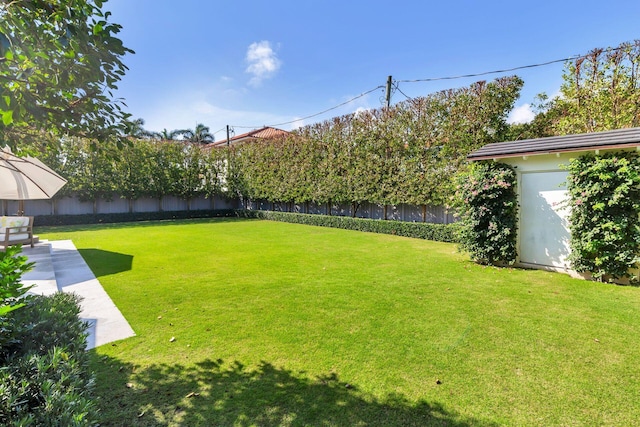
(521,114)
(263,62)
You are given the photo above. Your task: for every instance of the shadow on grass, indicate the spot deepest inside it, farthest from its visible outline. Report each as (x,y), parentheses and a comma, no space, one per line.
(222,394)
(104,263)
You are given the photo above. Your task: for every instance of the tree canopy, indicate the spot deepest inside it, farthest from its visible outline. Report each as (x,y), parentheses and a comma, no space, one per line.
(60,61)
(601,91)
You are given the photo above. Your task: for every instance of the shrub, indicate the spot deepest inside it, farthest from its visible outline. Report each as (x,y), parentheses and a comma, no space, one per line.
(604,221)
(45,380)
(12,267)
(12,291)
(419,230)
(487,203)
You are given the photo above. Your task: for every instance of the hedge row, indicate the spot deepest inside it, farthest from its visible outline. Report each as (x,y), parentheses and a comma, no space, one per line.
(45,379)
(418,230)
(46,220)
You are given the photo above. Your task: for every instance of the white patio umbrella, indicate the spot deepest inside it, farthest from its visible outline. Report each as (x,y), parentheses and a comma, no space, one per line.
(26,178)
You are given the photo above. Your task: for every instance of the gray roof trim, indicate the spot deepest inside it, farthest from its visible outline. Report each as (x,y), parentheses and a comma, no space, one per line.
(613,139)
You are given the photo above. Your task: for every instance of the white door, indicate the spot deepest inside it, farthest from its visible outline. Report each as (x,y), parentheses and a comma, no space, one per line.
(544,228)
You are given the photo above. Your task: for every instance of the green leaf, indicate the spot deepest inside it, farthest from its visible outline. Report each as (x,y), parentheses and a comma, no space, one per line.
(7,117)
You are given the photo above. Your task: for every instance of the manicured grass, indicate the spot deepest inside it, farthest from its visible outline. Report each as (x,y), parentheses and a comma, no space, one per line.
(285,324)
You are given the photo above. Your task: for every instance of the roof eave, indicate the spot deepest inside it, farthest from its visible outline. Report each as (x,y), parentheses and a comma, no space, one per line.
(547,152)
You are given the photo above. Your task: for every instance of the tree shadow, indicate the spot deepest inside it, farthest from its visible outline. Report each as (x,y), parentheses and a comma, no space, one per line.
(104,263)
(230,394)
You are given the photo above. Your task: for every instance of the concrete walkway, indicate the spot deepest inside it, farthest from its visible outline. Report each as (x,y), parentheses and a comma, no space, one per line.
(60,267)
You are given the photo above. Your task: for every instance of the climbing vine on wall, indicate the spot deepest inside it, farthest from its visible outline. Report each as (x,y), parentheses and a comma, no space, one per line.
(605,206)
(487,203)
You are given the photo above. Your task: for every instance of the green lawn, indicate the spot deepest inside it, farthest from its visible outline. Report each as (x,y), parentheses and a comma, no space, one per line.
(280,324)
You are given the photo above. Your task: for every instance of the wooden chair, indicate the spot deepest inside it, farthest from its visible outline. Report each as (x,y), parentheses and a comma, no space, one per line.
(15,230)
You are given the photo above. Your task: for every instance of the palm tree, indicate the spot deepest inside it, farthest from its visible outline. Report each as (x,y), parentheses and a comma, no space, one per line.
(168,135)
(200,134)
(136,130)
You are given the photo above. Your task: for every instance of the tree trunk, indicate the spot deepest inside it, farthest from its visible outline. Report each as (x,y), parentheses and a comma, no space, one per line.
(354,209)
(424,213)
(130,205)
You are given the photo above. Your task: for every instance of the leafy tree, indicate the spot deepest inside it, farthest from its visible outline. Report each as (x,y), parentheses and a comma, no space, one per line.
(186,170)
(601,91)
(134,170)
(91,172)
(59,63)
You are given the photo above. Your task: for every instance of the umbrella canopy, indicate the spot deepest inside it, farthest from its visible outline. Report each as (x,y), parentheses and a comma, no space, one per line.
(26,178)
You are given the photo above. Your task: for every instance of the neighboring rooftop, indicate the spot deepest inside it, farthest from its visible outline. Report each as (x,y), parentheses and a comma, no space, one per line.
(262,133)
(621,138)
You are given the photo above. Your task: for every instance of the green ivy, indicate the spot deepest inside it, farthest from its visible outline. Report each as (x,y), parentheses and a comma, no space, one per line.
(604,222)
(487,203)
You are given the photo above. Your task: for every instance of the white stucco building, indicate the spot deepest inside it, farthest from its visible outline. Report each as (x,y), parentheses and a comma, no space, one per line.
(543,229)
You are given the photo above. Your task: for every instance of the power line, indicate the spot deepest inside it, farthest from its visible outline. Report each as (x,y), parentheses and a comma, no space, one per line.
(397,86)
(506,70)
(433,79)
(316,114)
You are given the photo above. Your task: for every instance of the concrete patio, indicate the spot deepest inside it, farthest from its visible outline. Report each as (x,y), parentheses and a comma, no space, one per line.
(59,267)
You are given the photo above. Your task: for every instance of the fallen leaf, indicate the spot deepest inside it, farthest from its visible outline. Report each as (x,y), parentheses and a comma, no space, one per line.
(438,382)
(172,339)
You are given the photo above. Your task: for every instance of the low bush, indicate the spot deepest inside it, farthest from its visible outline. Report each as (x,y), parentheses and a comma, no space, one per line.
(418,230)
(44,379)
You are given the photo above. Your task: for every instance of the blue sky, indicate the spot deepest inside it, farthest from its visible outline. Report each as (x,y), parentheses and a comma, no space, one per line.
(249,63)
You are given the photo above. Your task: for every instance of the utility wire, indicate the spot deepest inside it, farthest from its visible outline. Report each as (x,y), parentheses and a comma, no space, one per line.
(316,114)
(433,79)
(397,87)
(542,64)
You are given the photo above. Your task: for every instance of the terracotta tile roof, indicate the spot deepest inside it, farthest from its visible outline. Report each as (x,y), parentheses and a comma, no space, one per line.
(621,138)
(262,133)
